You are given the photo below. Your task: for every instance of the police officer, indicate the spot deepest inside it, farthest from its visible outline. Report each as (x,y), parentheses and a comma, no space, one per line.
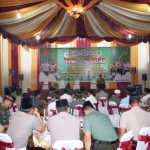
(4,110)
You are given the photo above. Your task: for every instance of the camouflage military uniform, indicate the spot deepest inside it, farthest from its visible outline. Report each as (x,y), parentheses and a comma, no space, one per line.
(4,115)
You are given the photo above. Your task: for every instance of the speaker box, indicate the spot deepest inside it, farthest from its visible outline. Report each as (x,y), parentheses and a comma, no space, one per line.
(21,78)
(133,70)
(11,72)
(144,77)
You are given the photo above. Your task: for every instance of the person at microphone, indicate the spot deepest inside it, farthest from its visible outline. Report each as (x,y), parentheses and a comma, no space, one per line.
(100,80)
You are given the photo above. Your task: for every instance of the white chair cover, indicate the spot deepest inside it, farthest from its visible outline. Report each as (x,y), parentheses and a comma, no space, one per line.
(68,145)
(13,109)
(76,85)
(102,106)
(77,110)
(127,137)
(62,84)
(1,99)
(123,108)
(93,84)
(4,138)
(144,136)
(114,115)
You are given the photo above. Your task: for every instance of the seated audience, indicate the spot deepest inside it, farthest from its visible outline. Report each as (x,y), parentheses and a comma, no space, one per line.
(13,89)
(63,126)
(84,95)
(90,97)
(97,126)
(78,101)
(146,96)
(18,98)
(66,96)
(134,119)
(51,93)
(52,104)
(115,98)
(39,103)
(23,122)
(69,90)
(125,100)
(101,93)
(4,110)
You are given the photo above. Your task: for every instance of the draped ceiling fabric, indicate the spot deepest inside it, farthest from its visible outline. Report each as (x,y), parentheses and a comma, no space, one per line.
(109,20)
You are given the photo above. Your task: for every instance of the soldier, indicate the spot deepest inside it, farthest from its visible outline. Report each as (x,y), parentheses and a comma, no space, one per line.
(39,103)
(4,110)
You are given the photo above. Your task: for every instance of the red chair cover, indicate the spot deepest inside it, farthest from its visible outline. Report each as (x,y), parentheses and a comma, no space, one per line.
(65,149)
(14,108)
(127,145)
(123,109)
(146,139)
(54,111)
(110,109)
(4,145)
(96,106)
(103,101)
(81,112)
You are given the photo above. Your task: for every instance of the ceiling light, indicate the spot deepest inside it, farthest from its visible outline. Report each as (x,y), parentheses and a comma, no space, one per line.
(76,11)
(129,36)
(18,14)
(38,37)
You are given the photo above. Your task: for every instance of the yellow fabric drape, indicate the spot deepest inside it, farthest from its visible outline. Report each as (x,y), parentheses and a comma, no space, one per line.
(34,55)
(134,63)
(93,44)
(9,63)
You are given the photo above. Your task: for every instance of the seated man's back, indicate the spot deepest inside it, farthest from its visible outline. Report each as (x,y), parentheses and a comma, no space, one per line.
(63,126)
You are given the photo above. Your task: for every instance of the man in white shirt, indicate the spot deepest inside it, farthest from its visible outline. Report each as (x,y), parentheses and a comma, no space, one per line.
(90,97)
(126,66)
(66,96)
(45,67)
(145,97)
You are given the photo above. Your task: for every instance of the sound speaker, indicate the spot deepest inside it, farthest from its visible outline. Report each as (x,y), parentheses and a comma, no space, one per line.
(11,72)
(133,70)
(21,78)
(144,77)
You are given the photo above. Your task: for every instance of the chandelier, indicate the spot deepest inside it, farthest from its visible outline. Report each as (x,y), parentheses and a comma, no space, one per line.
(76,11)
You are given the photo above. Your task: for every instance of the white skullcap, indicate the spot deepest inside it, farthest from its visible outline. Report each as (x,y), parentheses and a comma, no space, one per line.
(117,92)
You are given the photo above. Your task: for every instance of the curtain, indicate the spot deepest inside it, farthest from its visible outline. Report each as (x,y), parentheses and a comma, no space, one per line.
(143,63)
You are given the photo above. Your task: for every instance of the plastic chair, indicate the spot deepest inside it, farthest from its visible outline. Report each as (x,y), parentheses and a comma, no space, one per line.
(93,84)
(78,111)
(68,145)
(102,105)
(123,108)
(76,85)
(144,139)
(6,142)
(62,84)
(113,114)
(126,141)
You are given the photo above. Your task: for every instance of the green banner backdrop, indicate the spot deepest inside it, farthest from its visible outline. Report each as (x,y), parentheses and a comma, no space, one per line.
(85,64)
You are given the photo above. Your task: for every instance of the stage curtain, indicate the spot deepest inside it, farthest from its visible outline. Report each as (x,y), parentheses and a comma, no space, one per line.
(143,63)
(34,62)
(81,42)
(134,63)
(103,44)
(4,64)
(25,67)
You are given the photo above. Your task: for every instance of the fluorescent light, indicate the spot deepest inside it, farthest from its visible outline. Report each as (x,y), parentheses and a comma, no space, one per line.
(129,36)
